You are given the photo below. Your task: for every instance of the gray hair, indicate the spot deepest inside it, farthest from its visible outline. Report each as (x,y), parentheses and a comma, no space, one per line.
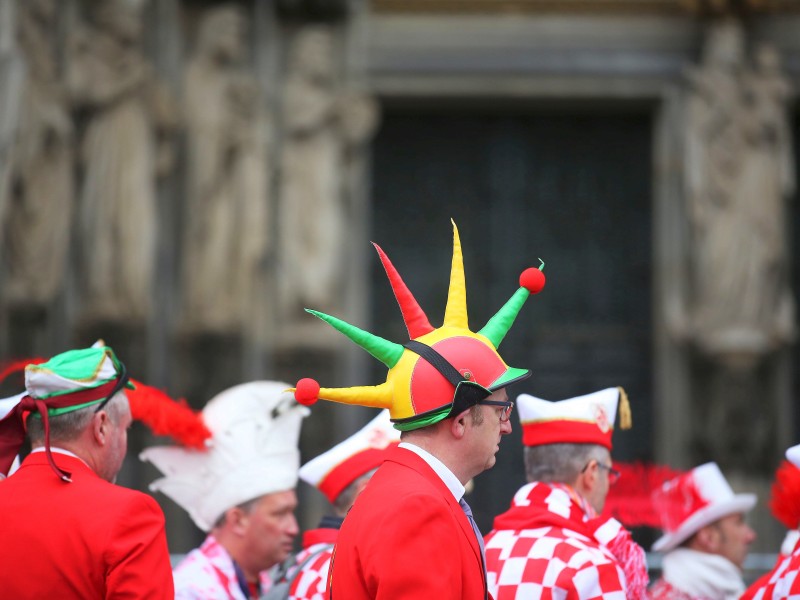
(68,426)
(348,495)
(560,463)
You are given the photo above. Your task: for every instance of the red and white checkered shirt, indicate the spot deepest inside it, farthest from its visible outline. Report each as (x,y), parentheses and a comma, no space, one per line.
(782,582)
(311,582)
(547,545)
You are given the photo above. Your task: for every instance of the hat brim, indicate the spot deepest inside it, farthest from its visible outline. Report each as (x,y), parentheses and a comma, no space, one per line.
(740,503)
(509,376)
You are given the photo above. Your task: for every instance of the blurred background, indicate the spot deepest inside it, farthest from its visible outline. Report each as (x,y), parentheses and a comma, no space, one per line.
(180,178)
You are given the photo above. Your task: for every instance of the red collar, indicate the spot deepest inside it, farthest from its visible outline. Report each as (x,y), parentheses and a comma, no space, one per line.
(319,536)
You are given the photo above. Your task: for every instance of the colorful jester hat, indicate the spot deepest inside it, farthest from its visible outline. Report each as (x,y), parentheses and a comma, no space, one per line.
(439,372)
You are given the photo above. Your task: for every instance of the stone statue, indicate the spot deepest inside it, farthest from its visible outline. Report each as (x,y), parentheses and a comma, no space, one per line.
(737,162)
(323,125)
(40,202)
(227,200)
(123,149)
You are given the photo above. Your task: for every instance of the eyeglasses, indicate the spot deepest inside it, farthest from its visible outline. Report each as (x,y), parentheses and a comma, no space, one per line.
(613,474)
(505,413)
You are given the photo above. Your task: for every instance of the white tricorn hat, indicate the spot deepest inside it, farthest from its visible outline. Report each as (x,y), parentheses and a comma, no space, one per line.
(332,471)
(694,500)
(587,419)
(253,451)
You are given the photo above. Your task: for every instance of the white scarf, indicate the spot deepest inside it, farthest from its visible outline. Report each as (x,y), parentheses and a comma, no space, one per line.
(703,575)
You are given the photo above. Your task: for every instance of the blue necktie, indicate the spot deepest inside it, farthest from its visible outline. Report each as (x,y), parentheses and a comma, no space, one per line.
(468,511)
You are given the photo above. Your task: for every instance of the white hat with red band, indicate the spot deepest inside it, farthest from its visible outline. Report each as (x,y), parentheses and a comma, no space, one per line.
(696,499)
(332,471)
(587,419)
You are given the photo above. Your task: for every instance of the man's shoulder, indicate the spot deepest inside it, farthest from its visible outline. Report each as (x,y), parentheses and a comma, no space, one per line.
(570,547)
(117,497)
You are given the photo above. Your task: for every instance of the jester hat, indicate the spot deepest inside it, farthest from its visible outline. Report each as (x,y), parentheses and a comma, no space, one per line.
(439,372)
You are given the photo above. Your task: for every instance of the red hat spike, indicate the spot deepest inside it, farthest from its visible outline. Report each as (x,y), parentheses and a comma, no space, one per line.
(414,317)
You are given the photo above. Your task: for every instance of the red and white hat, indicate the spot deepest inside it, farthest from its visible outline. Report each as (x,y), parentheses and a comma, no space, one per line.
(694,500)
(586,419)
(332,471)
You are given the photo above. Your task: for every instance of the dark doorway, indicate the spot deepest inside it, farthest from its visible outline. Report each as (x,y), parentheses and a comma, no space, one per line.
(573,189)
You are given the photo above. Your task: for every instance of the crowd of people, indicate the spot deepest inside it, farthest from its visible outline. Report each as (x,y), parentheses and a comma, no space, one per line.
(399,526)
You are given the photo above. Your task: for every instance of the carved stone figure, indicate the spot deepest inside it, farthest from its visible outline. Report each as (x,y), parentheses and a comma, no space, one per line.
(227,200)
(126,113)
(323,126)
(738,177)
(41,182)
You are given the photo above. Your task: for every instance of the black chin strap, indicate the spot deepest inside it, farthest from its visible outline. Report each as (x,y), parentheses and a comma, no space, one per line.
(437,361)
(467,394)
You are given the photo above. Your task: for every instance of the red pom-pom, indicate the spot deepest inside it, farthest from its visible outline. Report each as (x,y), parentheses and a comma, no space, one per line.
(306,392)
(532,280)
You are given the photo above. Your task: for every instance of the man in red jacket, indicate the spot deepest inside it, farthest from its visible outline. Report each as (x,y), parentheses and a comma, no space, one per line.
(68,532)
(410,534)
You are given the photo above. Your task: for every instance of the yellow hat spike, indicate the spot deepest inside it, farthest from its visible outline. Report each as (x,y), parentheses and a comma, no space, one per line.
(308,392)
(455,314)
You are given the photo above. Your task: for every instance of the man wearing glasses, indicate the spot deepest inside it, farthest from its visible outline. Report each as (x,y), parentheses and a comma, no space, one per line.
(552,542)
(410,534)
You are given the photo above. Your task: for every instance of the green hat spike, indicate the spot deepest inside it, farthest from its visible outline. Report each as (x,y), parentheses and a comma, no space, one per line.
(385,351)
(497,327)
(531,281)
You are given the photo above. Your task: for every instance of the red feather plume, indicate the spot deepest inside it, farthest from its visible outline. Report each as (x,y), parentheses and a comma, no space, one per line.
(18,365)
(165,416)
(630,499)
(783,501)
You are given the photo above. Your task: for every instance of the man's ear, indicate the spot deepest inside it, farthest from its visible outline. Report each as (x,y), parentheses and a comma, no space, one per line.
(707,538)
(100,427)
(236,519)
(587,479)
(458,424)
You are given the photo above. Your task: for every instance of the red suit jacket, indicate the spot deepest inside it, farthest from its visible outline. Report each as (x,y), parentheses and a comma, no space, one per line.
(83,540)
(406,537)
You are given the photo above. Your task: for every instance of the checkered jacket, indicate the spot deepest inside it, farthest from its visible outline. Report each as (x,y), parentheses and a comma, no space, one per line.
(782,582)
(545,546)
(311,581)
(208,573)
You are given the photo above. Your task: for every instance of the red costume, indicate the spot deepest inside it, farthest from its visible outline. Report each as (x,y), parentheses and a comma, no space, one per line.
(83,540)
(548,545)
(407,537)
(782,582)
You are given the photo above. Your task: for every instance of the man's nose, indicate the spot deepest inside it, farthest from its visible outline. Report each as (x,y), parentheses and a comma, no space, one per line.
(505,427)
(751,535)
(292,528)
